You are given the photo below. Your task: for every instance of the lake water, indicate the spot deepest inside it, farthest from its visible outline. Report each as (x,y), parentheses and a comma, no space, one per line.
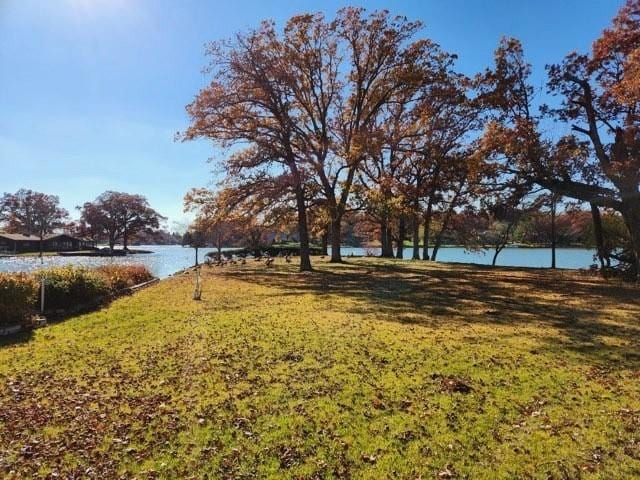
(509,257)
(165,260)
(168,259)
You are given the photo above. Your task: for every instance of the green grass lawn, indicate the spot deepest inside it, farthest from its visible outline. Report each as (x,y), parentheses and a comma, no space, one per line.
(367,370)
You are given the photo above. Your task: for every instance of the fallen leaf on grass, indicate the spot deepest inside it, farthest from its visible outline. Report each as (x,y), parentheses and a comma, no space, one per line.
(454,385)
(369,458)
(447,472)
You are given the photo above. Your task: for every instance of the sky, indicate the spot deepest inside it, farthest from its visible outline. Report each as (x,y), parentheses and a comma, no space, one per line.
(92,92)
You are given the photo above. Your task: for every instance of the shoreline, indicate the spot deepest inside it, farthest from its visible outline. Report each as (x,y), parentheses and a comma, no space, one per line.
(96,253)
(514,245)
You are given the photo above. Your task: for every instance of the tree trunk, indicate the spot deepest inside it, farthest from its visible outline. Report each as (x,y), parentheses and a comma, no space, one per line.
(325,243)
(401,236)
(436,246)
(196,249)
(599,236)
(336,238)
(125,241)
(443,228)
(495,256)
(445,223)
(303,230)
(416,237)
(415,234)
(41,246)
(631,216)
(553,231)
(427,230)
(385,240)
(503,242)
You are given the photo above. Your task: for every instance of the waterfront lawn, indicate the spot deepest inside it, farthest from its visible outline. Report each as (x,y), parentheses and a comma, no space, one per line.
(371,369)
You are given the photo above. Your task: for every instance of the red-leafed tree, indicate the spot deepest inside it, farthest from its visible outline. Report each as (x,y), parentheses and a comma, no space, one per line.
(599,100)
(117,215)
(249,105)
(32,213)
(600,94)
(302,103)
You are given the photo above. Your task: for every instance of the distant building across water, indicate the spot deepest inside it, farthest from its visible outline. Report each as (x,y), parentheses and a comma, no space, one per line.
(53,242)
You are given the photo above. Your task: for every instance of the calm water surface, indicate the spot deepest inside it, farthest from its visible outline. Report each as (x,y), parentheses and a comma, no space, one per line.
(169,259)
(509,257)
(165,260)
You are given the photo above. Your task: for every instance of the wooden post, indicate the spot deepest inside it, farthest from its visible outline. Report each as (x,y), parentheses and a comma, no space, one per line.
(197,293)
(42,284)
(554,200)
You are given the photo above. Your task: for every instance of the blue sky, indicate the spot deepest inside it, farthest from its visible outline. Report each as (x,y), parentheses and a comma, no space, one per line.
(93,91)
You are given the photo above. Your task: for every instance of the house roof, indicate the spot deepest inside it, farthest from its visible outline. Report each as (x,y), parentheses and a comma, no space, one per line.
(19,237)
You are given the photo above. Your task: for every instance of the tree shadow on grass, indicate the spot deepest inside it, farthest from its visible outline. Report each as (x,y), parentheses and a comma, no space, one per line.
(438,295)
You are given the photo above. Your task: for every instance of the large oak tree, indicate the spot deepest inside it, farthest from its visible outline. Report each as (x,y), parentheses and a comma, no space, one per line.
(303,102)
(118,215)
(599,101)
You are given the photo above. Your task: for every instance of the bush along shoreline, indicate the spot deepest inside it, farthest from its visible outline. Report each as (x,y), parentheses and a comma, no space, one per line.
(67,290)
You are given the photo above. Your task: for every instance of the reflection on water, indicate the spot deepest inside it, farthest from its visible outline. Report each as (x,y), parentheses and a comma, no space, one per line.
(169,259)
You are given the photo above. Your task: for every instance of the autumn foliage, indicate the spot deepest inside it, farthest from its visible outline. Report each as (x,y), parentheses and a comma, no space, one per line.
(115,216)
(118,277)
(361,113)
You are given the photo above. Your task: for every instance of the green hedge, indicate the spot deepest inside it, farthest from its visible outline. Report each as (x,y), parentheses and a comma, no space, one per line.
(18,296)
(69,286)
(65,288)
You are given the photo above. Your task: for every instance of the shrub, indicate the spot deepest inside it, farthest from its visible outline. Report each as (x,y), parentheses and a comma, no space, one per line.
(66,287)
(72,286)
(18,298)
(118,277)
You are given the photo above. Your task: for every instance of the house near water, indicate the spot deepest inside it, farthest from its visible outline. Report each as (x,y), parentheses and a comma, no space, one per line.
(53,242)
